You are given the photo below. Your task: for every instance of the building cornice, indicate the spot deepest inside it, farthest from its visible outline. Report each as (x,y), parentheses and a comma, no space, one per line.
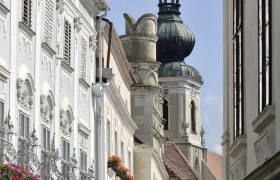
(119,105)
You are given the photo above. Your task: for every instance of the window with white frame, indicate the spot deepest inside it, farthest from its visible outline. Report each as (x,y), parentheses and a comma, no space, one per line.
(48,31)
(238,83)
(116,143)
(84,49)
(83,160)
(46,139)
(108,138)
(129,161)
(67,42)
(24,125)
(27,12)
(65,150)
(1,113)
(122,152)
(265,62)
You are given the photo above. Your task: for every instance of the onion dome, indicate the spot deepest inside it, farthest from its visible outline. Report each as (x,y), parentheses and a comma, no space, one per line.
(180,69)
(175,39)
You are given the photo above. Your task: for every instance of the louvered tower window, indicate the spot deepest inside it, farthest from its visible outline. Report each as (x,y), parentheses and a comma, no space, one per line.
(265,63)
(84,59)
(193,119)
(238,68)
(67,42)
(27,12)
(48,22)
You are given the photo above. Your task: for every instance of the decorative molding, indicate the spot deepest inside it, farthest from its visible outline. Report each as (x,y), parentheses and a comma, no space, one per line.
(46,109)
(48,49)
(263,119)
(27,30)
(24,96)
(4,9)
(78,23)
(4,73)
(60,5)
(92,43)
(265,146)
(67,67)
(65,123)
(84,83)
(238,170)
(238,146)
(83,129)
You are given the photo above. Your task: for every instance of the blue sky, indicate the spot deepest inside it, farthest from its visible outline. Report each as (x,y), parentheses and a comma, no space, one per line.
(204,18)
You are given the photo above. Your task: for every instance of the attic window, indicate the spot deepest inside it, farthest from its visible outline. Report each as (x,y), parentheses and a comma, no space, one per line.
(27,12)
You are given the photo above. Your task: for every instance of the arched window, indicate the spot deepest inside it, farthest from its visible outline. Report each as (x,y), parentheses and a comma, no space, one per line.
(193,117)
(165,113)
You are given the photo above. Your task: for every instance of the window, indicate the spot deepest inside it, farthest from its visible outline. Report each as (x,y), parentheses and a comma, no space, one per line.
(129,162)
(84,59)
(265,64)
(67,42)
(46,139)
(27,12)
(238,68)
(1,113)
(108,138)
(24,125)
(48,22)
(83,161)
(116,143)
(165,114)
(122,152)
(65,150)
(193,123)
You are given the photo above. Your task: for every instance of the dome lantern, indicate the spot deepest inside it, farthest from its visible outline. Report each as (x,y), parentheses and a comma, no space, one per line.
(175,39)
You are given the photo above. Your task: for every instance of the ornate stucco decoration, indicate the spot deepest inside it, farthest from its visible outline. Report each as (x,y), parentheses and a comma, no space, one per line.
(60,5)
(24,94)
(46,109)
(92,43)
(65,122)
(78,23)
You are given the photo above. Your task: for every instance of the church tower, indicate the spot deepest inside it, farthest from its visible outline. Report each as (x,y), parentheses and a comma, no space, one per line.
(181,106)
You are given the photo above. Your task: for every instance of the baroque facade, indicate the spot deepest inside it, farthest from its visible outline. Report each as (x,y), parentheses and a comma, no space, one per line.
(73,93)
(251,99)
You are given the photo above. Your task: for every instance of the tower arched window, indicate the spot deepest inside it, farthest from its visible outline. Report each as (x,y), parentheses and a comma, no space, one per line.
(193,127)
(165,114)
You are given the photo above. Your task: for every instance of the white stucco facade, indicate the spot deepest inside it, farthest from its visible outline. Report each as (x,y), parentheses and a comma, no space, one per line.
(253,152)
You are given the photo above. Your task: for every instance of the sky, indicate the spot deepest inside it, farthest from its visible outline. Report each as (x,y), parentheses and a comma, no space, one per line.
(204,18)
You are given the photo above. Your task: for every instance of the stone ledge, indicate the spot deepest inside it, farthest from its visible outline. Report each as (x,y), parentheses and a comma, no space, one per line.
(264,118)
(238,146)
(27,30)
(4,9)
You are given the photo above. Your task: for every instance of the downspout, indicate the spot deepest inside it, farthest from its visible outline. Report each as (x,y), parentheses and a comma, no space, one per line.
(101,128)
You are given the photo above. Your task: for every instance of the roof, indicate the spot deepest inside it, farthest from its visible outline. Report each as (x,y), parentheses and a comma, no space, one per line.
(176,164)
(214,162)
(180,69)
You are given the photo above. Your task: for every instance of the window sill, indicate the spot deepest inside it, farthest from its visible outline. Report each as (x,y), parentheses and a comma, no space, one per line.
(194,133)
(4,9)
(83,129)
(67,67)
(48,49)
(27,30)
(84,83)
(263,119)
(238,146)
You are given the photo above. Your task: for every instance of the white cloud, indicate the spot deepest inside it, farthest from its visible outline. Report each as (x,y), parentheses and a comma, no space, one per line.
(219,149)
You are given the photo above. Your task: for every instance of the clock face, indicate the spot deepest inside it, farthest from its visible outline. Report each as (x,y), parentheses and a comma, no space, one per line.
(164,89)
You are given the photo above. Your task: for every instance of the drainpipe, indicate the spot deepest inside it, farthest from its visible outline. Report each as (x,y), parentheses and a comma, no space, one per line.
(102,164)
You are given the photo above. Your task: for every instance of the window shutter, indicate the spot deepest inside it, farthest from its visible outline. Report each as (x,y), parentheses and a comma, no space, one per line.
(48,22)
(84,59)
(67,42)
(27,12)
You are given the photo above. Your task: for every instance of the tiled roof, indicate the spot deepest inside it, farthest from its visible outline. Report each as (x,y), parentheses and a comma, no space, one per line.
(214,162)
(176,164)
